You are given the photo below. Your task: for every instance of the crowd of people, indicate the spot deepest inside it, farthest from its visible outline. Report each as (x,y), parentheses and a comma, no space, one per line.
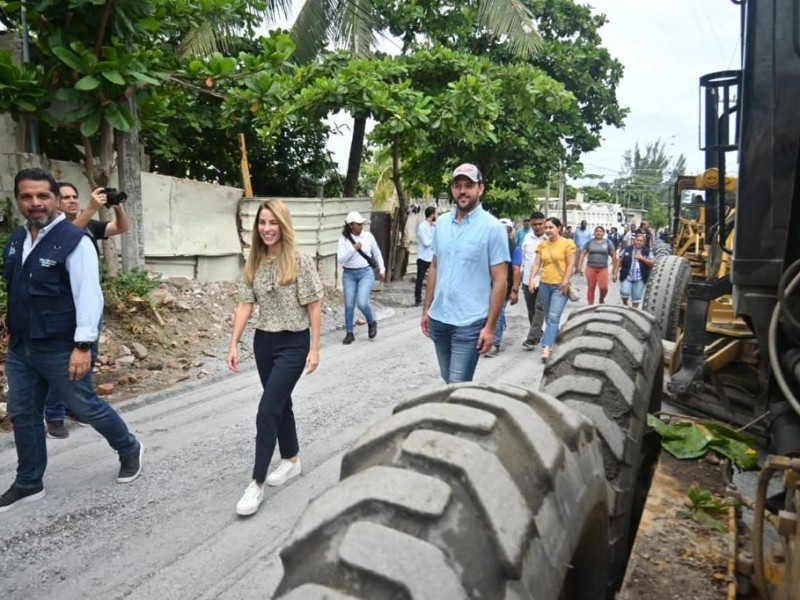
(471,265)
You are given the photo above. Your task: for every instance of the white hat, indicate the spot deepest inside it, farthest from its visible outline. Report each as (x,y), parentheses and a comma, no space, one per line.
(354,217)
(468,170)
(507,222)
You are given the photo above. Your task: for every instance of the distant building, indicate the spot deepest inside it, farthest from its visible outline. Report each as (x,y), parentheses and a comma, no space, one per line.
(595,213)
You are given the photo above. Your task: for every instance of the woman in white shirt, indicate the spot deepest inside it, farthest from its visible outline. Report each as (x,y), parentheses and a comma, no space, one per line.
(358,253)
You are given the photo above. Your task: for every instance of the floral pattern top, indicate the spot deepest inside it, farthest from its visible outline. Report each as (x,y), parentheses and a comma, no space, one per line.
(283,307)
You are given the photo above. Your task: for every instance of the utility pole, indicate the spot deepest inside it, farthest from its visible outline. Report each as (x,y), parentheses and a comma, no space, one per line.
(562,194)
(130,181)
(547,198)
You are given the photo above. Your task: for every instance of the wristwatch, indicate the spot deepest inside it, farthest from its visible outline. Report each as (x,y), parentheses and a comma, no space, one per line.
(83,346)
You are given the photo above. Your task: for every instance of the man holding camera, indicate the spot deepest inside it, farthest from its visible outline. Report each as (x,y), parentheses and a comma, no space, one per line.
(55,408)
(69,204)
(53,313)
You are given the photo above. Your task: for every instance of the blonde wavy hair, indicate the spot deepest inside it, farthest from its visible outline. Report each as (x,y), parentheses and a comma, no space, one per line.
(287,261)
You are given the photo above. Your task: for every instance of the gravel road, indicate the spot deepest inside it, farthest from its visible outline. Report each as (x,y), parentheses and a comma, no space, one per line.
(174,533)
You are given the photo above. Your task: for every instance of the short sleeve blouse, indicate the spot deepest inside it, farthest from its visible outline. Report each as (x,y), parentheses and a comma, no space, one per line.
(283,307)
(554,259)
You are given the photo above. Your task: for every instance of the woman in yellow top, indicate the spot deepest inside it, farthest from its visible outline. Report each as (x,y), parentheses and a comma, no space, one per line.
(288,290)
(555,259)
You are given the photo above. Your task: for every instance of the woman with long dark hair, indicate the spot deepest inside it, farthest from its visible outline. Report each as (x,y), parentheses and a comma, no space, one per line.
(555,258)
(358,255)
(288,290)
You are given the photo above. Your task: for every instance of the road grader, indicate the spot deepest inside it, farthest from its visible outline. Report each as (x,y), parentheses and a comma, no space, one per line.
(487,491)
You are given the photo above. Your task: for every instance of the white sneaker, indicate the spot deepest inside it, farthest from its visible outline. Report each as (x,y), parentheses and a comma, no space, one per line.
(251,499)
(285,471)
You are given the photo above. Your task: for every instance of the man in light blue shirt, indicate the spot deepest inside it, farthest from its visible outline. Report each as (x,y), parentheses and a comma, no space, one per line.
(54,307)
(425,232)
(466,279)
(583,236)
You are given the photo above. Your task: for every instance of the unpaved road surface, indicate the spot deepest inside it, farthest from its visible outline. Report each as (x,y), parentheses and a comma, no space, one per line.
(174,533)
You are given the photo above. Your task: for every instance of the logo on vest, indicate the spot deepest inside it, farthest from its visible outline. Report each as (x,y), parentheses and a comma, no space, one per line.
(48,262)
(12,250)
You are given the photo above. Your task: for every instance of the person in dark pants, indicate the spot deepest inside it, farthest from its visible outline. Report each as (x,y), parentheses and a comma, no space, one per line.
(288,290)
(54,307)
(533,303)
(424,251)
(55,409)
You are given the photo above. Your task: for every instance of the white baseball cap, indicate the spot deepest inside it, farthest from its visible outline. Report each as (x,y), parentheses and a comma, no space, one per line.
(507,222)
(354,217)
(469,171)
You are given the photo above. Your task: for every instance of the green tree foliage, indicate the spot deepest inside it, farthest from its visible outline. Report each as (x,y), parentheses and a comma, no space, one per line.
(646,176)
(571,53)
(150,49)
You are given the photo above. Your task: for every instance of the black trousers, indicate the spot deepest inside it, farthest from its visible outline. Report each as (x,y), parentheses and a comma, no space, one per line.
(535,314)
(422,270)
(280,359)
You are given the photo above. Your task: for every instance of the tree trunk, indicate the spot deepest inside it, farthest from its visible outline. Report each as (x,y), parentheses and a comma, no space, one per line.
(354,160)
(130,180)
(99,175)
(396,242)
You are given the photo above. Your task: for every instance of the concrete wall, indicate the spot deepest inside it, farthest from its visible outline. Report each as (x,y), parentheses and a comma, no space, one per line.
(202,230)
(318,223)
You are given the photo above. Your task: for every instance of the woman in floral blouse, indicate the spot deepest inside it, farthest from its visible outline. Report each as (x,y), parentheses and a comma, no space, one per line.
(288,290)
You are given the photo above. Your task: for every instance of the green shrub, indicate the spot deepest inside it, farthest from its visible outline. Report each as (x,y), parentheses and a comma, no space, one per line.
(127,291)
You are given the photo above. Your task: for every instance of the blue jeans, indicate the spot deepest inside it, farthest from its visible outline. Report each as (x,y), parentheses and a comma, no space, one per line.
(632,289)
(30,374)
(357,284)
(55,409)
(456,349)
(500,327)
(553,303)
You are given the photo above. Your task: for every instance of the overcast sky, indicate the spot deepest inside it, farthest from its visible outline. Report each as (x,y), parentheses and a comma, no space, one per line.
(665,46)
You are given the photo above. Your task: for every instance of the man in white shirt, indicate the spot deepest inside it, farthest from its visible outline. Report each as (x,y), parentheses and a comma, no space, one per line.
(532,301)
(54,307)
(425,232)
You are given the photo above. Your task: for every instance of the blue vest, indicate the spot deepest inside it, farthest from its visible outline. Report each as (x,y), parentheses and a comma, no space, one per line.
(625,265)
(41,311)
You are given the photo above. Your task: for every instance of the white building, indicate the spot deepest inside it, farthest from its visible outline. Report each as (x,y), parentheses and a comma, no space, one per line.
(595,213)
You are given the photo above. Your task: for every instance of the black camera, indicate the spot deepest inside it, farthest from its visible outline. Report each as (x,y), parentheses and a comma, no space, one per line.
(113,197)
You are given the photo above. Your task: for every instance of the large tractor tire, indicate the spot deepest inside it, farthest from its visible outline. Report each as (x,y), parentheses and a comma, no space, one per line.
(606,365)
(665,294)
(661,249)
(471,491)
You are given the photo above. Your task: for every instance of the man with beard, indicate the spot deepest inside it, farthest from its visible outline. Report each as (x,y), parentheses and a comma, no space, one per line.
(54,307)
(466,280)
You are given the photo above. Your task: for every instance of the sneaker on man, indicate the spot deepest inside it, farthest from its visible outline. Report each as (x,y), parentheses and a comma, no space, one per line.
(285,471)
(130,465)
(529,344)
(349,339)
(372,329)
(250,501)
(15,496)
(56,430)
(494,351)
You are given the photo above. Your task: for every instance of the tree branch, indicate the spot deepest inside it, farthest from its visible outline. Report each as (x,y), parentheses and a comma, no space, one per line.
(101,29)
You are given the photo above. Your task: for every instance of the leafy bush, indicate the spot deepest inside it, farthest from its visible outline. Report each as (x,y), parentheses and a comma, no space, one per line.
(128,292)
